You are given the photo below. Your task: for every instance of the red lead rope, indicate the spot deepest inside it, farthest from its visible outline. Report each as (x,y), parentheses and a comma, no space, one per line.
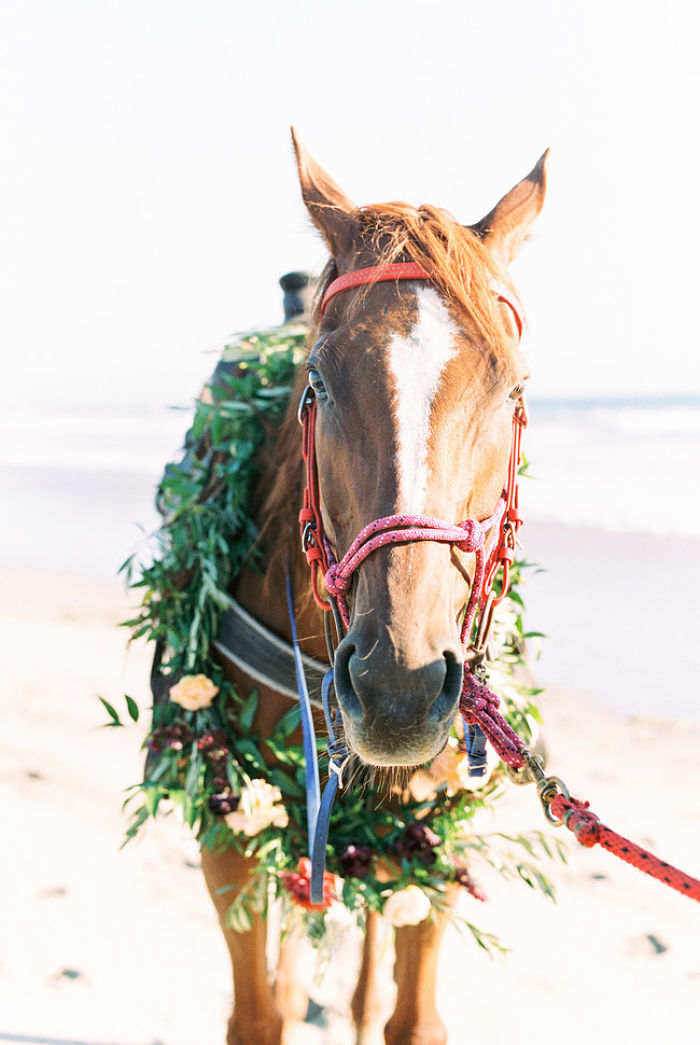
(589,832)
(479,705)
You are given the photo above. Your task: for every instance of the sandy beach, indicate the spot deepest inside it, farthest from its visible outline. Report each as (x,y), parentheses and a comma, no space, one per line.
(110,947)
(154,201)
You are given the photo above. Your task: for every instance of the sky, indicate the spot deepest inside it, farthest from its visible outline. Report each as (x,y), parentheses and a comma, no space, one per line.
(150,202)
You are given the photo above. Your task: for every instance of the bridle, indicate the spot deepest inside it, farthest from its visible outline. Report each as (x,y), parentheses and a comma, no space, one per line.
(478,706)
(468,536)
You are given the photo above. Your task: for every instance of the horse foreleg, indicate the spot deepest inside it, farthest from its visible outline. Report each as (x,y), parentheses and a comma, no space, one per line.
(290,998)
(415,1020)
(366,1002)
(255,1020)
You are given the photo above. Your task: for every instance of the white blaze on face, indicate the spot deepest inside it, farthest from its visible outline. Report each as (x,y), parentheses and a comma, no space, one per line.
(416,363)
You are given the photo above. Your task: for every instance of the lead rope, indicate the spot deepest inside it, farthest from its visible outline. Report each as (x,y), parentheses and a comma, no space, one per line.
(561,809)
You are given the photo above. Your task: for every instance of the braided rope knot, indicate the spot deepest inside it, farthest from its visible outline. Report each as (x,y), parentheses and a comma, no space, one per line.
(336,582)
(474,538)
(479,707)
(475,705)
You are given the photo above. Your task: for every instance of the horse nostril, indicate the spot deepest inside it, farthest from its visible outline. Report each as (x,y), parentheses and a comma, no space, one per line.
(445,704)
(455,673)
(344,689)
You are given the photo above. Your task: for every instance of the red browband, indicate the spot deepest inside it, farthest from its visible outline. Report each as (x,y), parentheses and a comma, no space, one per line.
(408,270)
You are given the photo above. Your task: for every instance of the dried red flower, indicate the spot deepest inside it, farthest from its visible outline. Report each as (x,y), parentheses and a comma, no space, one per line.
(175,737)
(417,839)
(224,803)
(298,884)
(356,861)
(463,878)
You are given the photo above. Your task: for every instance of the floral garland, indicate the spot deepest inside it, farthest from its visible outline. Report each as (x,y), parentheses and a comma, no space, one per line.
(399,858)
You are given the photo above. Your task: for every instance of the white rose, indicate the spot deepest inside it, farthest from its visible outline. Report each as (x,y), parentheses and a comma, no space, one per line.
(193,692)
(258,809)
(408,906)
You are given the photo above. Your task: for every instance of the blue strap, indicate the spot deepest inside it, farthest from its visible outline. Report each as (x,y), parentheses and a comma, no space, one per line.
(338,755)
(475,739)
(320,840)
(318,810)
(313,787)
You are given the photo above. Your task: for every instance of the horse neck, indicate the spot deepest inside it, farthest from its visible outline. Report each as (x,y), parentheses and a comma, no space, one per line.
(276,502)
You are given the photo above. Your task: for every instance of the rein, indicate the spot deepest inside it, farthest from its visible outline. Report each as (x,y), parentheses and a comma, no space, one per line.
(478,705)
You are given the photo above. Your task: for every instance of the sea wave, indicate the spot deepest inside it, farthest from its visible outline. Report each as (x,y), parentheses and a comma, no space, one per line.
(616,465)
(135,441)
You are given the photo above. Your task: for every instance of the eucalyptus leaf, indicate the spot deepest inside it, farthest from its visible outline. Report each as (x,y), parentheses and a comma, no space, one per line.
(132,708)
(286,784)
(111,711)
(247,712)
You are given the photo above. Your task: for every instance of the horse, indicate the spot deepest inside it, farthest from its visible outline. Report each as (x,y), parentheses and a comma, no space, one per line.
(415,383)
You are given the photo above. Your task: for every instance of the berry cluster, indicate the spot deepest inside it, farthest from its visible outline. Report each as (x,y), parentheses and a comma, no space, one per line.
(173,737)
(418,840)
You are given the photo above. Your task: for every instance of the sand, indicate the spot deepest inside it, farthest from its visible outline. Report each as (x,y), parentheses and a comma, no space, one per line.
(109,947)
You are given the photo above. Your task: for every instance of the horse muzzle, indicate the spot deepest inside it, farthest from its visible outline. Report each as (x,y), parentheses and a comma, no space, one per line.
(395,715)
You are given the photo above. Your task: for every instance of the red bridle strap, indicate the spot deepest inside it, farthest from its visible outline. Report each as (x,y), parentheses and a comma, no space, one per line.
(408,270)
(468,535)
(375,274)
(313,538)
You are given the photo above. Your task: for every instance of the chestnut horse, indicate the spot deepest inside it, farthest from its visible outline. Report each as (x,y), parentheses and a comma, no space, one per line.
(416,383)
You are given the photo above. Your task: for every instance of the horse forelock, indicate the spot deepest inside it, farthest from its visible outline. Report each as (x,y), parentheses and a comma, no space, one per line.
(461,266)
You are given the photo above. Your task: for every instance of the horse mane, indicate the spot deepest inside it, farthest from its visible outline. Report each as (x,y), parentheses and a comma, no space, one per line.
(463,272)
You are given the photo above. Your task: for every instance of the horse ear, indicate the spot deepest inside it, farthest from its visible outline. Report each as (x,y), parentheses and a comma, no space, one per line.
(332,212)
(506,226)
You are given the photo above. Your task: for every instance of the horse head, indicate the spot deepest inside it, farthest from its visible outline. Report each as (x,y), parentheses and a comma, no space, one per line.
(416,383)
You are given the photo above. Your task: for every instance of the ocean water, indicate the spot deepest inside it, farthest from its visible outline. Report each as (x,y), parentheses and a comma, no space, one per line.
(615,464)
(78,484)
(92,439)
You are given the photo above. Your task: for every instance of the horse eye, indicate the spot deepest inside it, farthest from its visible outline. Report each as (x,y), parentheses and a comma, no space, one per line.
(316,382)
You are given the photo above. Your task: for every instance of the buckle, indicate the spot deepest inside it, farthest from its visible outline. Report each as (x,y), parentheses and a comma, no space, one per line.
(333,767)
(304,403)
(308,537)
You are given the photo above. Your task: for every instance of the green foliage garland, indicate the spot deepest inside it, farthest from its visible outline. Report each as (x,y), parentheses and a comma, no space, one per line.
(201,762)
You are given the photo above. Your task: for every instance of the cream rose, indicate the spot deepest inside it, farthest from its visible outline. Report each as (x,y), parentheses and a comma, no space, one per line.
(258,809)
(408,906)
(422,786)
(451,766)
(193,692)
